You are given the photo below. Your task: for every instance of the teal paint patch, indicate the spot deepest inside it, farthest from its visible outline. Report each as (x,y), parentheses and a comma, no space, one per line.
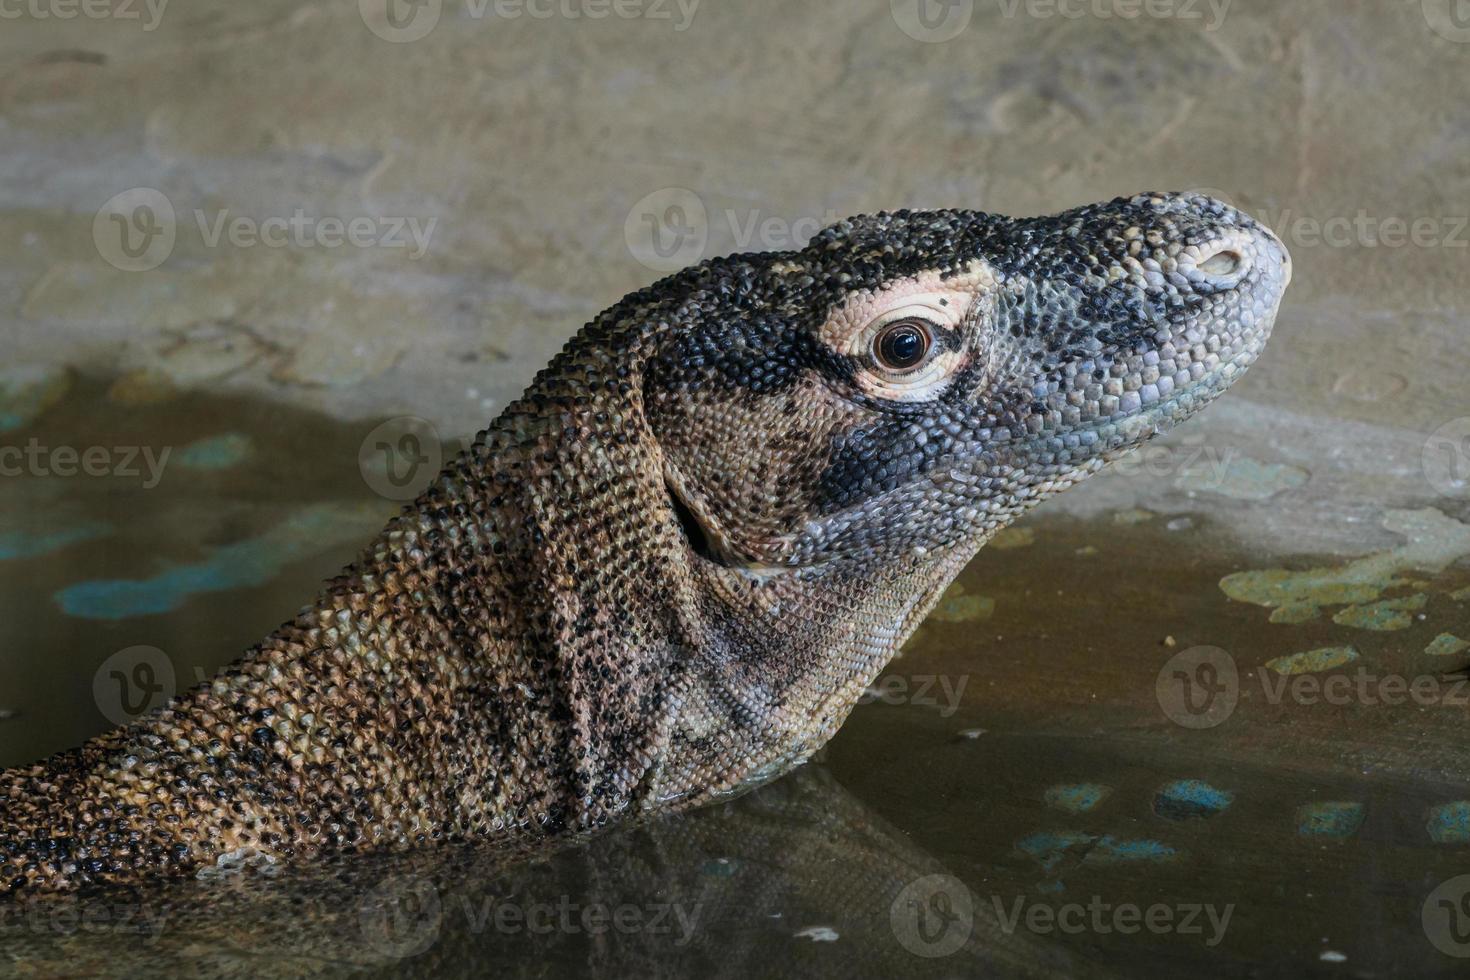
(1110,850)
(1188,798)
(720,868)
(1048,848)
(1076,797)
(1052,885)
(1449,823)
(216,452)
(244,564)
(28,544)
(1329,819)
(27,391)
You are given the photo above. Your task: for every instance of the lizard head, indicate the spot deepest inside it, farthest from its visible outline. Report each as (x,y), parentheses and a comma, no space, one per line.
(909,383)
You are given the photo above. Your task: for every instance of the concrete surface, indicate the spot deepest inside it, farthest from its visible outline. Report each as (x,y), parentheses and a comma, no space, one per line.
(537,147)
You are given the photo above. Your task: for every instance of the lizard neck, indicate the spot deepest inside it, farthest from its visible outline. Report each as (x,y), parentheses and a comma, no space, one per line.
(782,662)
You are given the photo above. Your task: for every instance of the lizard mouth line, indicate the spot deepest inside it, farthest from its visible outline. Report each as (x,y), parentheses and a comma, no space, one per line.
(694,531)
(1142,423)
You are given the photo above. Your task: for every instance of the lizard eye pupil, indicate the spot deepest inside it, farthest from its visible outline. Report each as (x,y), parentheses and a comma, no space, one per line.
(902,345)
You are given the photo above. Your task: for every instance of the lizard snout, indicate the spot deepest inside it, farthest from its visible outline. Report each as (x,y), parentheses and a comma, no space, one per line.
(1238,246)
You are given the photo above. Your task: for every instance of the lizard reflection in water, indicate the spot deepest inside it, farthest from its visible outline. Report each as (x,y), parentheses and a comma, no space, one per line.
(708,893)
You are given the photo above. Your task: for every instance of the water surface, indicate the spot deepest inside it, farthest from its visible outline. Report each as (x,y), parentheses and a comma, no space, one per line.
(1109,753)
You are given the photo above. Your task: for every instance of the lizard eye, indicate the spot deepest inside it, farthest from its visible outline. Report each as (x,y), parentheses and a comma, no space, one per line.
(903,344)
(904,348)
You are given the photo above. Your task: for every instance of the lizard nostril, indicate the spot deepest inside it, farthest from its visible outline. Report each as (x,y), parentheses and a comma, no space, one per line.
(1225,262)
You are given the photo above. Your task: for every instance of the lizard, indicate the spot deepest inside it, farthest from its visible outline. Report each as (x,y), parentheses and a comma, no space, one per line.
(666,573)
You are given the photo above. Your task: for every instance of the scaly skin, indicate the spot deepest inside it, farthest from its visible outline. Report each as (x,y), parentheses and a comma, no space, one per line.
(668,571)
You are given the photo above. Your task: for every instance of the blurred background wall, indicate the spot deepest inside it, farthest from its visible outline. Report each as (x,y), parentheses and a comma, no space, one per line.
(388,206)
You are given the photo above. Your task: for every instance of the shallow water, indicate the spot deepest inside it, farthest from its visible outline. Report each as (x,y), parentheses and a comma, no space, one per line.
(1082,765)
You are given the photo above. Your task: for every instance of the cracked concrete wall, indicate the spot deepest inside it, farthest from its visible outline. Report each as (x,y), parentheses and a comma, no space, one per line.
(378,208)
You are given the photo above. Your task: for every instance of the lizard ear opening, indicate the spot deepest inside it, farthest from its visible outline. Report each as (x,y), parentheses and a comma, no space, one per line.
(694,531)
